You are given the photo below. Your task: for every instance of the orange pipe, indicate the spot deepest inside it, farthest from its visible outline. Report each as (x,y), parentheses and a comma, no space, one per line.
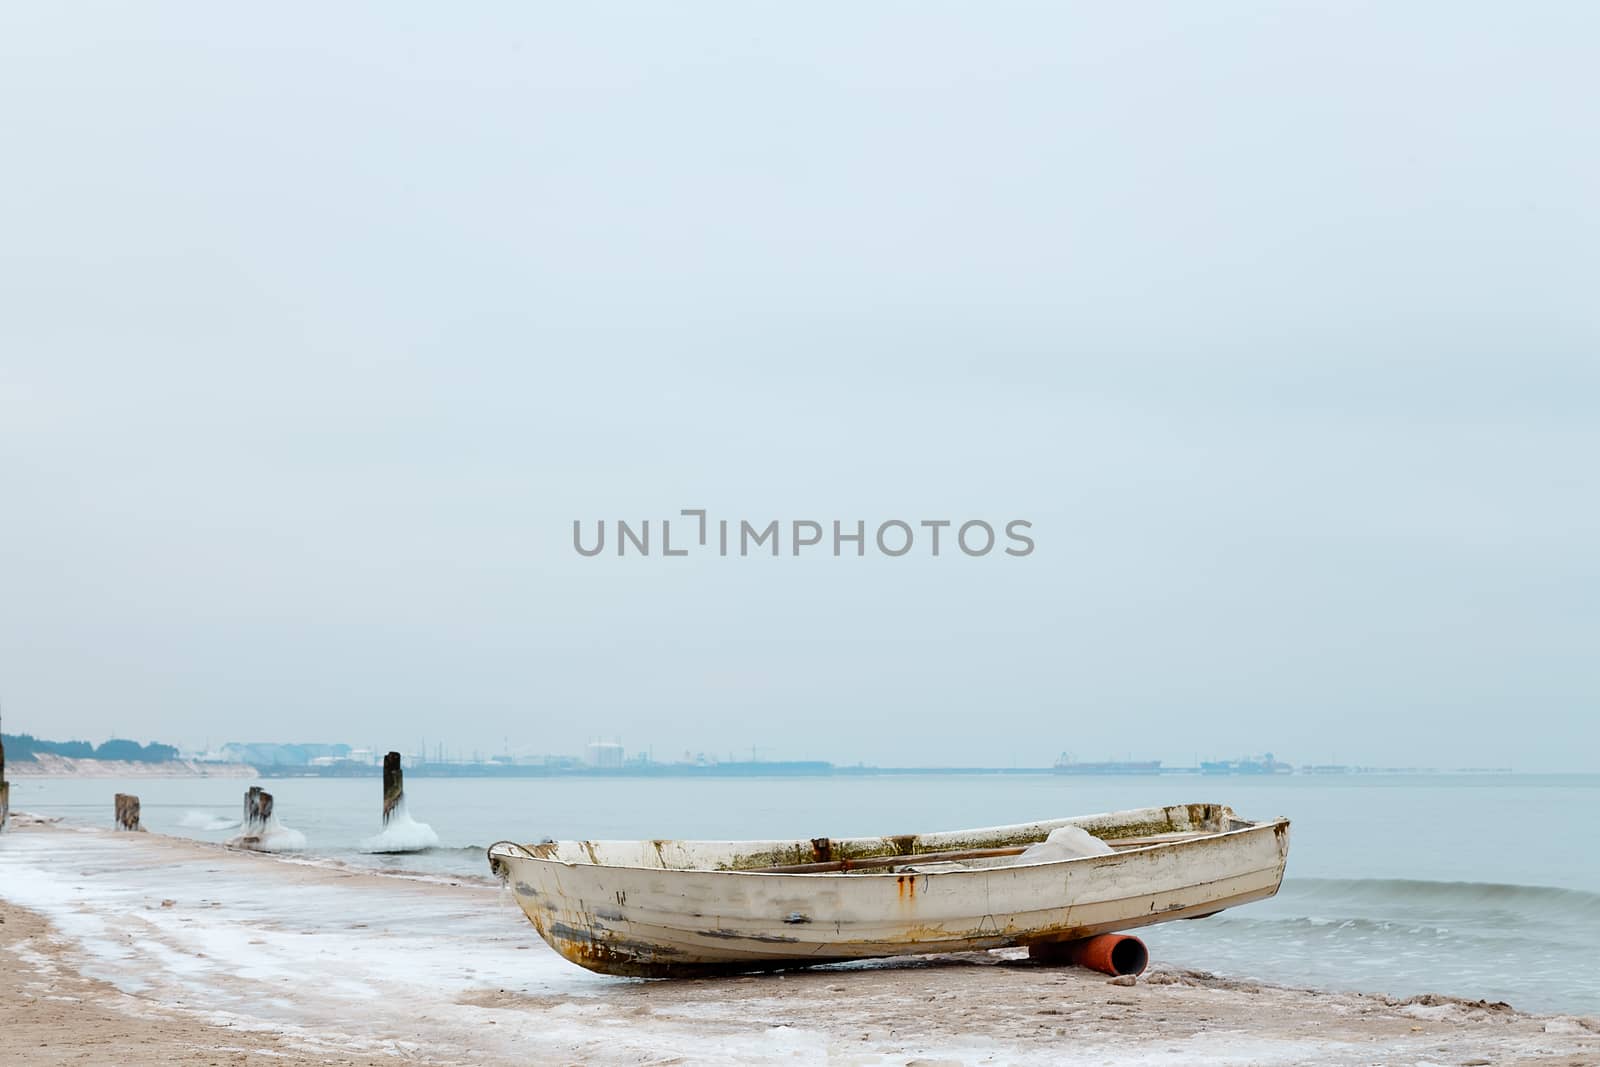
(1107,953)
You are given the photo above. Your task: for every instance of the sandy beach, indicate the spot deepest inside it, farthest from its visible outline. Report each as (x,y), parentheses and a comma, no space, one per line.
(139,948)
(53,1013)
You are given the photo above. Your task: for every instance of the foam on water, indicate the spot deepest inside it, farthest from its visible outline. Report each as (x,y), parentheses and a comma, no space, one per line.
(280,838)
(205,820)
(403,834)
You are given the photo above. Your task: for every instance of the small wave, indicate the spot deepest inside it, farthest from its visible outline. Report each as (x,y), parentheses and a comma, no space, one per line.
(445,877)
(1539,900)
(205,820)
(1320,926)
(478,851)
(279,838)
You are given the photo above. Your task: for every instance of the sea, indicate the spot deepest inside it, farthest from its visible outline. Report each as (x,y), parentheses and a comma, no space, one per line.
(1483,886)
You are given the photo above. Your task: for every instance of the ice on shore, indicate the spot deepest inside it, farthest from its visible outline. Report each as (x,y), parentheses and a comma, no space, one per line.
(275,837)
(402,834)
(205,820)
(291,945)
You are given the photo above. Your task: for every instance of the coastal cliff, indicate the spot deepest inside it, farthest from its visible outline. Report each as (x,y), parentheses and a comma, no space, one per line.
(45,765)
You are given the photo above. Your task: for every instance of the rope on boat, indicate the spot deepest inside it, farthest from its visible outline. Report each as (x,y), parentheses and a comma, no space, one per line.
(493,866)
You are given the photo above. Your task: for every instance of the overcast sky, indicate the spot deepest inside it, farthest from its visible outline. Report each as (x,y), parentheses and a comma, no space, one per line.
(320,324)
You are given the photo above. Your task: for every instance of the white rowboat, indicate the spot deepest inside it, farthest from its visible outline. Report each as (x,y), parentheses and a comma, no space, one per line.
(667,908)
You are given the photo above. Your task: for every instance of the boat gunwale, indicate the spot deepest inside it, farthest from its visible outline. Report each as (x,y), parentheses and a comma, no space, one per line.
(1278,824)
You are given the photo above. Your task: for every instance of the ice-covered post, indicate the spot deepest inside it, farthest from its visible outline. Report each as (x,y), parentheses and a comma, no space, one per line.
(127,812)
(5,787)
(257,811)
(393,789)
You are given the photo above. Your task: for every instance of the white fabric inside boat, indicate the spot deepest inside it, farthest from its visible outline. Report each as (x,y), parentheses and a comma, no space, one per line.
(1065,843)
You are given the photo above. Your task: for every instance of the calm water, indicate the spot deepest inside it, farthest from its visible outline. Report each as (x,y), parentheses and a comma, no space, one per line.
(1477,886)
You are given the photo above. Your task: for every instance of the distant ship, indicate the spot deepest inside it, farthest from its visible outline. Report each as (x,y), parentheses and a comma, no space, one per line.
(1067,765)
(1254,765)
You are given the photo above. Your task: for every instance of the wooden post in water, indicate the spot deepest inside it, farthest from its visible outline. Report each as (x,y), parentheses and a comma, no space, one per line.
(257,812)
(393,788)
(127,812)
(5,787)
(257,816)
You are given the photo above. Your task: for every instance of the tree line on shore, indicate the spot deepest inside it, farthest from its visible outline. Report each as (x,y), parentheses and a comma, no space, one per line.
(26,747)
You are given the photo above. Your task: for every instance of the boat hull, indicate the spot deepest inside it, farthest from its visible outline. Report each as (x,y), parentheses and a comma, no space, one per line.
(662,920)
